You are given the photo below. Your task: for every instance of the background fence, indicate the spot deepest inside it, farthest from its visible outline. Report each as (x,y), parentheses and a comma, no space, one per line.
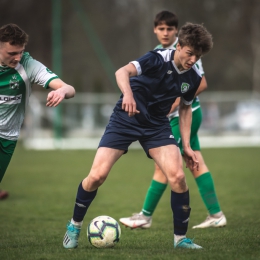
(229,119)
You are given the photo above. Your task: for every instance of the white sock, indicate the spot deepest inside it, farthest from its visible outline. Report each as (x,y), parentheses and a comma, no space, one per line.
(79,224)
(178,238)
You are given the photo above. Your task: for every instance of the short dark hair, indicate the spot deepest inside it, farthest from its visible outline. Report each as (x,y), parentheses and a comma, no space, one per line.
(195,36)
(166,17)
(13,34)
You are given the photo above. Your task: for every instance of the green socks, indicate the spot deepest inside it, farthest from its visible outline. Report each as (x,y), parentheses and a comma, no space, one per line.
(207,192)
(153,196)
(206,188)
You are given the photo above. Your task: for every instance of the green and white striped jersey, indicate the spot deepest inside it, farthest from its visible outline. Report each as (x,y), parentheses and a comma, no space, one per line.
(15,89)
(195,104)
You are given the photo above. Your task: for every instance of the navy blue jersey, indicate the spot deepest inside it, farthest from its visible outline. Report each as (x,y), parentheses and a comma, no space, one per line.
(158,83)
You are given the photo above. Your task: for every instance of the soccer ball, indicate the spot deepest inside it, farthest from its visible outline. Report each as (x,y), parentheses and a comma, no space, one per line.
(103,231)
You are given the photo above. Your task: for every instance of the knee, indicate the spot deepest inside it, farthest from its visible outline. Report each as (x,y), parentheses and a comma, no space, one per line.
(93,181)
(179,177)
(97,179)
(182,181)
(178,182)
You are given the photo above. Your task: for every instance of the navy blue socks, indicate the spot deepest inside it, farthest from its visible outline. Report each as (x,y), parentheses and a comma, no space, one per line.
(181,212)
(83,201)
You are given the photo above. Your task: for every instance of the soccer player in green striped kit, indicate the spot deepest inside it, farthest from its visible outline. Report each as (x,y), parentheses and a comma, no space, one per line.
(166,28)
(18,71)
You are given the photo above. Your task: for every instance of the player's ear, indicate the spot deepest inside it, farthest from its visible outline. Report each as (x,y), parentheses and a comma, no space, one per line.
(178,47)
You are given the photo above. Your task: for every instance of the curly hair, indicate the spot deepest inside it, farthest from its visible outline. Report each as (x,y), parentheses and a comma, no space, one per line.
(195,36)
(13,34)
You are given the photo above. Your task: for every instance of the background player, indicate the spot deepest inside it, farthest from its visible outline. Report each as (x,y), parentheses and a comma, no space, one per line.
(166,28)
(149,86)
(18,71)
(3,194)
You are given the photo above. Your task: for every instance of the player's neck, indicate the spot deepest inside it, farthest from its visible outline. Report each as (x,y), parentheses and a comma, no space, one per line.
(167,46)
(177,61)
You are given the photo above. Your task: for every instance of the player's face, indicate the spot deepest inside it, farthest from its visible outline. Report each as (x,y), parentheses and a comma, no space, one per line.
(166,35)
(10,55)
(185,57)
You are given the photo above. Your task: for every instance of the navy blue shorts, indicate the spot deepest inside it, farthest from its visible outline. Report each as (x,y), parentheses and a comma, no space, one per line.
(120,133)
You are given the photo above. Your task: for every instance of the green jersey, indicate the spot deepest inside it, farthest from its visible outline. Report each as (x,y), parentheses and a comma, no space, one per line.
(15,89)
(195,104)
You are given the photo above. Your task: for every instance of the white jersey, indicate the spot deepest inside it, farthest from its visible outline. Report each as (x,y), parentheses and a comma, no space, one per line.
(195,103)
(15,89)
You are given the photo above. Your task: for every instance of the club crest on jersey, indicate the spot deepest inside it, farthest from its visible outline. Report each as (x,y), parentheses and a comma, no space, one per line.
(185,87)
(49,71)
(14,82)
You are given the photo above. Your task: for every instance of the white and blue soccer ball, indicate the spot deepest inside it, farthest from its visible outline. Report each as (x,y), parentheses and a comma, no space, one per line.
(103,231)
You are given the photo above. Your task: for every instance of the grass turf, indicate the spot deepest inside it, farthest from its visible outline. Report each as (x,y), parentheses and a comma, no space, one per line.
(43,185)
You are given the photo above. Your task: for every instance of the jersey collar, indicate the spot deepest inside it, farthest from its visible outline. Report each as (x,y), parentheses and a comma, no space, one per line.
(176,68)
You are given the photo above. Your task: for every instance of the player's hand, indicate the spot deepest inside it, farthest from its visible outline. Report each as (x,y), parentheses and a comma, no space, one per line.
(129,105)
(55,97)
(190,159)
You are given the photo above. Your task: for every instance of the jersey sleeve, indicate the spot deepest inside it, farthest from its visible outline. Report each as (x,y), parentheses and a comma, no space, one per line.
(37,72)
(148,64)
(188,97)
(200,67)
(187,102)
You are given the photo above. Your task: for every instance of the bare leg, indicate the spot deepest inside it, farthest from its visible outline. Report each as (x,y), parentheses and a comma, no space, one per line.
(169,160)
(104,160)
(159,175)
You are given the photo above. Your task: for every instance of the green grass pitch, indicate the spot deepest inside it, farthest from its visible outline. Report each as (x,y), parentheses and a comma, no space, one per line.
(43,185)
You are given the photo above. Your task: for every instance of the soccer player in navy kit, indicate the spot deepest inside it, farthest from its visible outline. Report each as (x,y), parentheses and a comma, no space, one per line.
(166,28)
(149,87)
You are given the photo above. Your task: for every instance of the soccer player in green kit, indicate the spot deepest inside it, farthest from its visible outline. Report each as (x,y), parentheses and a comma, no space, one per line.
(18,71)
(166,28)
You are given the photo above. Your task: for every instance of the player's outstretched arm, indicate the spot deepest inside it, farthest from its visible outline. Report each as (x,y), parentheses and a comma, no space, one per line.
(61,91)
(122,78)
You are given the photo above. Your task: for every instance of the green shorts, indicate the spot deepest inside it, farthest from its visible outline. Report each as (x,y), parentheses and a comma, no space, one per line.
(195,125)
(6,152)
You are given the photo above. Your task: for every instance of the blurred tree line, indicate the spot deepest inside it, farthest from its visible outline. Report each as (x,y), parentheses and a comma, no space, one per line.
(122,30)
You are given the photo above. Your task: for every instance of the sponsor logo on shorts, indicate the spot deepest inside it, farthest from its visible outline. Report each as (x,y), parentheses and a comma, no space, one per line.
(10,99)
(171,136)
